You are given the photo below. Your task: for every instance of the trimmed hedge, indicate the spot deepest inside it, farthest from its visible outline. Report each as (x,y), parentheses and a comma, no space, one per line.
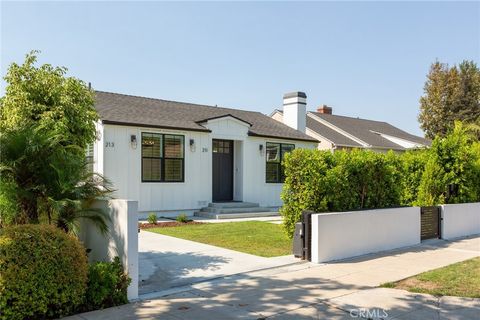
(412,166)
(448,172)
(43,272)
(321,181)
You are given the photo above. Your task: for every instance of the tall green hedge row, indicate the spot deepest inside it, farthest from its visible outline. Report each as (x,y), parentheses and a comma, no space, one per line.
(321,181)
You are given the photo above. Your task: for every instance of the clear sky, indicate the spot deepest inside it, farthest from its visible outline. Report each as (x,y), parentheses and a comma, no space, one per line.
(365,59)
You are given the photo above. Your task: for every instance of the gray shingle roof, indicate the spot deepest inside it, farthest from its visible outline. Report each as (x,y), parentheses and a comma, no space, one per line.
(366,130)
(115,108)
(330,134)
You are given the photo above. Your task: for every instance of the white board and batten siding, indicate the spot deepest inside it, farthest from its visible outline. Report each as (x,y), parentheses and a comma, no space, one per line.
(343,235)
(120,162)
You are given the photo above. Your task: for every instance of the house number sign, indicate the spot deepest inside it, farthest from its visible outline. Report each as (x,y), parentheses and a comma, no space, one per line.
(109,144)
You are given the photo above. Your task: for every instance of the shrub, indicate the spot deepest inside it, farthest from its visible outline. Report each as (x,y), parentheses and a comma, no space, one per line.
(182,218)
(152,218)
(306,184)
(448,172)
(362,179)
(43,272)
(107,285)
(321,181)
(452,171)
(412,167)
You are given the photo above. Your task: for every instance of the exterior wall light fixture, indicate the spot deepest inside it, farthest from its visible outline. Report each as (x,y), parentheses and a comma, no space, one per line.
(133,141)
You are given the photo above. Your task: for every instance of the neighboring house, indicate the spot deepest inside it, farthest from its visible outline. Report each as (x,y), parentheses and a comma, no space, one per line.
(179,157)
(339,132)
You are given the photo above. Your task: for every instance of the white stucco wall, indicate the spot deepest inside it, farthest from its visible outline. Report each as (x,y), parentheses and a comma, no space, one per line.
(348,234)
(460,220)
(122,166)
(121,240)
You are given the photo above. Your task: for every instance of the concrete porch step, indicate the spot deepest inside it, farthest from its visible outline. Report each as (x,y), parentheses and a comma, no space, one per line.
(233,204)
(235,210)
(236,215)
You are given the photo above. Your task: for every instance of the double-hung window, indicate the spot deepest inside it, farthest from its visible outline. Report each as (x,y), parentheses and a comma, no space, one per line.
(274,158)
(163,157)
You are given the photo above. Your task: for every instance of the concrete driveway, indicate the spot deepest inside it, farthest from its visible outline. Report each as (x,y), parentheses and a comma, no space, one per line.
(338,290)
(166,262)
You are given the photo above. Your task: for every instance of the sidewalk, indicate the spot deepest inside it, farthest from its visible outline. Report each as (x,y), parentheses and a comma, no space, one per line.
(340,290)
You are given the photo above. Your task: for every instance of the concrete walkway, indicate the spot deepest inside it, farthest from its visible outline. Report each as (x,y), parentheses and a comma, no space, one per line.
(166,262)
(340,290)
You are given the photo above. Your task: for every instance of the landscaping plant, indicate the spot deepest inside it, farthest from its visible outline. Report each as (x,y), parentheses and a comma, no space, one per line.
(152,218)
(346,180)
(182,217)
(43,272)
(452,171)
(319,181)
(46,98)
(412,166)
(107,285)
(47,120)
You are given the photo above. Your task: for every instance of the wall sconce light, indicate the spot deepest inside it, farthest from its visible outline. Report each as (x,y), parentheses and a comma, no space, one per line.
(192,145)
(260,148)
(133,141)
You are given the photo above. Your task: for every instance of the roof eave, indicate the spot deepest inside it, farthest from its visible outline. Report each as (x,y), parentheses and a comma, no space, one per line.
(143,125)
(224,116)
(253,134)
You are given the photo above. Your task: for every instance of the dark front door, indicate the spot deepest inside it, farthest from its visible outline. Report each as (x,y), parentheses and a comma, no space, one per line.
(222,170)
(429,223)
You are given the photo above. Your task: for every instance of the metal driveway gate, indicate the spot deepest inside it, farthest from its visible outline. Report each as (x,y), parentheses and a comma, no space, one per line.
(430,223)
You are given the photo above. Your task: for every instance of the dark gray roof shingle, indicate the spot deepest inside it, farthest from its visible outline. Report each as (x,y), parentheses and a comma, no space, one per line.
(367,131)
(330,134)
(117,108)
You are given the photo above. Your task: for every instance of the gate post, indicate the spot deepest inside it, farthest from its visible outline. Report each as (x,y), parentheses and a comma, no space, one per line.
(307,234)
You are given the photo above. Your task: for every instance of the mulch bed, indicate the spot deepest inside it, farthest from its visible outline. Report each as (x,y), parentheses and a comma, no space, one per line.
(166,224)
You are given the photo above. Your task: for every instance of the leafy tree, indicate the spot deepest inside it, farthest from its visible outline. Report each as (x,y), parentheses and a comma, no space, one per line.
(47,120)
(43,181)
(450,94)
(45,98)
(452,171)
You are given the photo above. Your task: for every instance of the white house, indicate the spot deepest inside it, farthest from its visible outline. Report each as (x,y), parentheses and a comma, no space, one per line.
(336,132)
(179,157)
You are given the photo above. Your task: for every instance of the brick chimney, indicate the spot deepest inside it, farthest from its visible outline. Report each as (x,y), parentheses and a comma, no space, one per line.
(324,109)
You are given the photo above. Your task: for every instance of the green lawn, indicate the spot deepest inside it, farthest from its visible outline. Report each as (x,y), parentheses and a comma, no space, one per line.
(460,279)
(254,237)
